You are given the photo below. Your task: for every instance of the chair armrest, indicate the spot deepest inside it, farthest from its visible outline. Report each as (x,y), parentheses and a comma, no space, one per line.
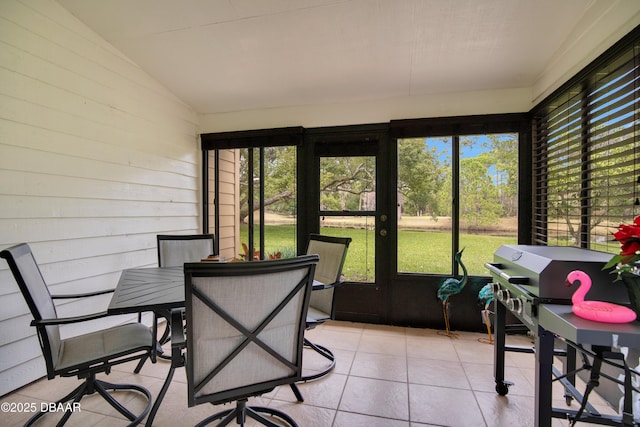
(319,286)
(177,337)
(68,320)
(83,295)
(311,323)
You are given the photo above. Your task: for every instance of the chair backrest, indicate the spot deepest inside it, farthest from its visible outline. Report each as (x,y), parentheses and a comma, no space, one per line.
(175,250)
(36,293)
(245,326)
(333,252)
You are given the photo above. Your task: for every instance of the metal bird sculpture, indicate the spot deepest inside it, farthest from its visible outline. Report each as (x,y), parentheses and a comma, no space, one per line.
(449,287)
(485,299)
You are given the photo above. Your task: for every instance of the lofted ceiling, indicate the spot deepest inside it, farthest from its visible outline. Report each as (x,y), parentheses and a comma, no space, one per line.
(235,55)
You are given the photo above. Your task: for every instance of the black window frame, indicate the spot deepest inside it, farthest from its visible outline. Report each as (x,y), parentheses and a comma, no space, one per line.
(572,134)
(249,139)
(456,127)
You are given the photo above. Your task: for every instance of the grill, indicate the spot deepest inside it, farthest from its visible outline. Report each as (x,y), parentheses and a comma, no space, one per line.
(526,276)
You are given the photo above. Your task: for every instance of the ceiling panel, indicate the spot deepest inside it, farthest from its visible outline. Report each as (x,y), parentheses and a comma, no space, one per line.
(232,55)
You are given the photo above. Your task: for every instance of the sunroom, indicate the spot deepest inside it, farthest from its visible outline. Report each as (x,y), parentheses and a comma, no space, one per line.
(418,129)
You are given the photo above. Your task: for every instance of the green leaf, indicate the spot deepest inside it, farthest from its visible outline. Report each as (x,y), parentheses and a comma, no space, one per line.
(615,260)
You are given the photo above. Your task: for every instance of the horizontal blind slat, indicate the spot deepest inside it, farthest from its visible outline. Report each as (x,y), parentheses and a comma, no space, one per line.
(586,152)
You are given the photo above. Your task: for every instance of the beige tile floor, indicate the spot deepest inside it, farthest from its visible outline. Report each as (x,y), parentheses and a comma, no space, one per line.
(384,377)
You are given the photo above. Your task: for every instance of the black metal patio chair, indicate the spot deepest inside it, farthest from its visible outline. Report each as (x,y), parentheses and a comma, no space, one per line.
(328,275)
(245,327)
(85,355)
(173,251)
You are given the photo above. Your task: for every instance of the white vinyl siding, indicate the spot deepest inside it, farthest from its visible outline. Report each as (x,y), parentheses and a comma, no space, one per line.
(96,158)
(229,234)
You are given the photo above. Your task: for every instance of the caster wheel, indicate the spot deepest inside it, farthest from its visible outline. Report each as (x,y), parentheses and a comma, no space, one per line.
(502,388)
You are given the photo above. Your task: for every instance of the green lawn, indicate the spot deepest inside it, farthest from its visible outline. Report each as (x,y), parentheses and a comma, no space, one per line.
(430,251)
(418,251)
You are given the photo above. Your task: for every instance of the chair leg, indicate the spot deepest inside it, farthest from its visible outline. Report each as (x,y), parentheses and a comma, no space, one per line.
(166,334)
(91,385)
(78,391)
(254,412)
(102,386)
(324,352)
(139,365)
(166,337)
(242,411)
(161,394)
(226,417)
(296,392)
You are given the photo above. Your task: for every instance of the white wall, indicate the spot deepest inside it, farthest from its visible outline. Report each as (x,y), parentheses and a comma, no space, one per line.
(96,158)
(229,202)
(600,28)
(380,111)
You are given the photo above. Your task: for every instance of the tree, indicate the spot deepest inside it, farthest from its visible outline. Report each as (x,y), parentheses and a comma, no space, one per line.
(280,179)
(601,177)
(504,151)
(488,180)
(479,196)
(424,177)
(420,175)
(343,180)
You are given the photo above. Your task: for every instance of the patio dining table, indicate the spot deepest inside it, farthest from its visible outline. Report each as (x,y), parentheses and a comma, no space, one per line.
(148,289)
(156,289)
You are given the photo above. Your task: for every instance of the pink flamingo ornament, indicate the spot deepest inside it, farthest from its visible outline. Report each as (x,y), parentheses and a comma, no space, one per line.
(598,311)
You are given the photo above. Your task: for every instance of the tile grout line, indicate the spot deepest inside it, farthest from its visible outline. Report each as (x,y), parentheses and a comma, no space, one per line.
(355,354)
(406,359)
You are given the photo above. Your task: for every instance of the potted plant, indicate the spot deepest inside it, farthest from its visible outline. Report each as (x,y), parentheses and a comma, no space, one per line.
(626,263)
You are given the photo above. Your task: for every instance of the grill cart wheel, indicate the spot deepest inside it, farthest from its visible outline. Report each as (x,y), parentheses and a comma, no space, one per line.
(502,388)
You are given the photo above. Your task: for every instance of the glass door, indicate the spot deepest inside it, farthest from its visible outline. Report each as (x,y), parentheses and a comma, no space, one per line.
(347,208)
(346,196)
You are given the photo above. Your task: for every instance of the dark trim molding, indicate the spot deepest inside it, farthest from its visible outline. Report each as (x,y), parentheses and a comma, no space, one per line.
(253,138)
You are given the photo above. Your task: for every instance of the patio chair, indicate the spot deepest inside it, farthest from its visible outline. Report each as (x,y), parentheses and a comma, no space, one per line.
(244,334)
(174,251)
(332,252)
(85,355)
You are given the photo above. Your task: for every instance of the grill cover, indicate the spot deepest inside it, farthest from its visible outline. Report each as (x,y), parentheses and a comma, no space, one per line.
(546,268)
